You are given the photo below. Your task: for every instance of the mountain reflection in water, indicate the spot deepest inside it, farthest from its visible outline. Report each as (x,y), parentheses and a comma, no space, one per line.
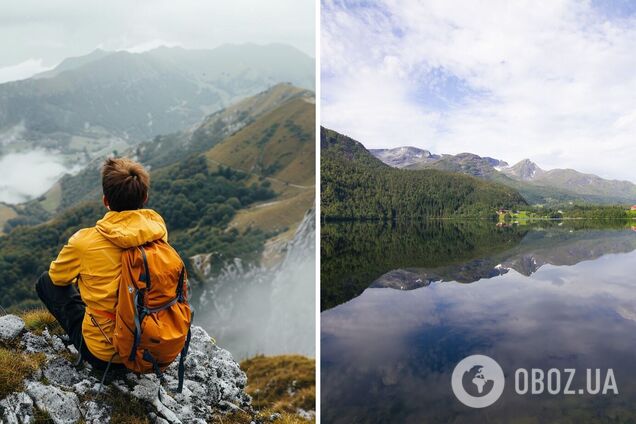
(541,297)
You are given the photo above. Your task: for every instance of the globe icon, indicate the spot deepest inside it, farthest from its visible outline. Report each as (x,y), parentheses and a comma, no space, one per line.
(477,382)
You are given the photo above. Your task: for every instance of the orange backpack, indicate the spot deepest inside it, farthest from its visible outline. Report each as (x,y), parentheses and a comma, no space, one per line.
(152,316)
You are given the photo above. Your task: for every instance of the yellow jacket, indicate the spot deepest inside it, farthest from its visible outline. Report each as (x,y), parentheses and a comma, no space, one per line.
(92,258)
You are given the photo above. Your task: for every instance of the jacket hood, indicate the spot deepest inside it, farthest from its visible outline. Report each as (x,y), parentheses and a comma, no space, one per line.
(132,228)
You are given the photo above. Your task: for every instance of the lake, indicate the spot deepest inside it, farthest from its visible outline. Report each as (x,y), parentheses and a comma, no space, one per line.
(403,304)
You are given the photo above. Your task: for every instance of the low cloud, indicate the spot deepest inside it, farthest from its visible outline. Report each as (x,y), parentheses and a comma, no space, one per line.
(22,70)
(28,175)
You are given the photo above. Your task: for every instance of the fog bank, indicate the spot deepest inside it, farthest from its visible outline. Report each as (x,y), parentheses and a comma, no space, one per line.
(26,175)
(257,310)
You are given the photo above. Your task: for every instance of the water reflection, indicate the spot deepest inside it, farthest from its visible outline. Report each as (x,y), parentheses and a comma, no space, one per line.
(407,256)
(549,298)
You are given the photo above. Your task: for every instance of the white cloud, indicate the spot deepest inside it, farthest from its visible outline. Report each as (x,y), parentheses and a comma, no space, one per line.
(150,45)
(45,167)
(22,70)
(553,82)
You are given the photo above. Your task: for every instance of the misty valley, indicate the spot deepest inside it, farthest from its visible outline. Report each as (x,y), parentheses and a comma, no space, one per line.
(228,138)
(404,302)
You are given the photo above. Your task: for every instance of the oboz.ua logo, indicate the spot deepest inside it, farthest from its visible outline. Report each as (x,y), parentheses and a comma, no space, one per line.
(478,381)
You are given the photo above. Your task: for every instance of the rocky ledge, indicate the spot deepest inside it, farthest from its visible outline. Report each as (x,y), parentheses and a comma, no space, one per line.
(56,390)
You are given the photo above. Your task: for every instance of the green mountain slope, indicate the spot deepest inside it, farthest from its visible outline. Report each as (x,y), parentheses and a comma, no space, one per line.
(279,147)
(209,203)
(165,150)
(546,193)
(553,188)
(588,184)
(356,185)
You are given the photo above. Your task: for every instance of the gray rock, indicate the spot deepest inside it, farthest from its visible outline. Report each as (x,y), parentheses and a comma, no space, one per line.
(33,343)
(88,387)
(95,413)
(307,415)
(61,406)
(17,408)
(54,341)
(61,373)
(10,327)
(214,383)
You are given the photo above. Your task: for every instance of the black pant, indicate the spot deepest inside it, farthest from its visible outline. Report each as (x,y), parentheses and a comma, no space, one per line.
(67,306)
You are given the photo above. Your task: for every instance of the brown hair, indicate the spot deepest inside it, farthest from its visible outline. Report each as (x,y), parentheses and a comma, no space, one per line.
(125,184)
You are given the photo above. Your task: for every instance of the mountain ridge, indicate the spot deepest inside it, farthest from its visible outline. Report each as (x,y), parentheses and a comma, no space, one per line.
(104,101)
(357,185)
(554,187)
(163,150)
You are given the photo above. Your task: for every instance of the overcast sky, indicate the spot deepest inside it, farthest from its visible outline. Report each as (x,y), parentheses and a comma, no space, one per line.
(553,81)
(36,35)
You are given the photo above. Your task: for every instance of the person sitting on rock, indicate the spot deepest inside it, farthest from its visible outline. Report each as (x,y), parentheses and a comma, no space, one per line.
(92,260)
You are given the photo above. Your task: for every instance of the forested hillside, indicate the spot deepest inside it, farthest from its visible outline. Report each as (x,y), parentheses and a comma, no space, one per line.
(554,188)
(356,185)
(240,129)
(199,196)
(196,202)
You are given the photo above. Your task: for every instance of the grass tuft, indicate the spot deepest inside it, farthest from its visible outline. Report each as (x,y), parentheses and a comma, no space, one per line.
(126,409)
(42,417)
(36,320)
(281,383)
(260,417)
(15,367)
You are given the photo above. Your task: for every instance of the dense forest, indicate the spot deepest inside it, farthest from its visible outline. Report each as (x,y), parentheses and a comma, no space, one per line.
(356,185)
(195,201)
(597,212)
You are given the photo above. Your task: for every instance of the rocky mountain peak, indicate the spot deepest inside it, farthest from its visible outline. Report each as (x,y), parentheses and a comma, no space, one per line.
(524,170)
(404,156)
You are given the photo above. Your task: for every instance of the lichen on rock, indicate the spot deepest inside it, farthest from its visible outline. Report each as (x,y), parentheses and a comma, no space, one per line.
(10,327)
(214,384)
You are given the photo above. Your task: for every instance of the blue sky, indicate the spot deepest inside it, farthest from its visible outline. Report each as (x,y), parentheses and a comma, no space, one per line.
(550,81)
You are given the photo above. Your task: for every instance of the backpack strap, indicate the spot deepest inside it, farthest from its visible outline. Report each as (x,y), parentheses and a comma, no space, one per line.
(184,353)
(138,319)
(180,296)
(146,276)
(155,365)
(140,309)
(101,384)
